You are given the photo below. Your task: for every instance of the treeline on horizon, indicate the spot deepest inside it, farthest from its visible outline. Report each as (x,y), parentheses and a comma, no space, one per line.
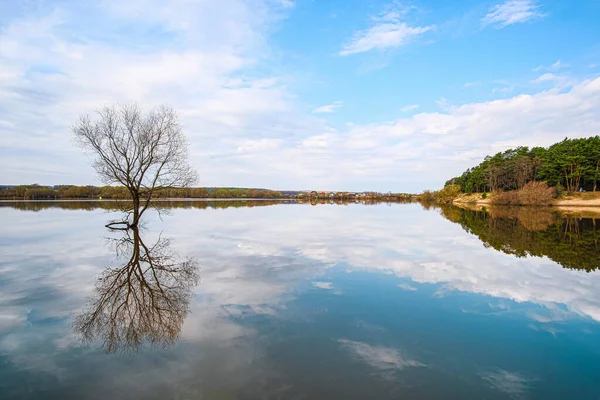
(117,206)
(569,165)
(165,204)
(37,192)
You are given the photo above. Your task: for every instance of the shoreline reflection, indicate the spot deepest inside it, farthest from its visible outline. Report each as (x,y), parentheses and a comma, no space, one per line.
(572,242)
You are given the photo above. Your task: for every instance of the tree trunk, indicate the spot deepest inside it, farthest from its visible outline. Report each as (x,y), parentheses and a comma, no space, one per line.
(136,210)
(596,176)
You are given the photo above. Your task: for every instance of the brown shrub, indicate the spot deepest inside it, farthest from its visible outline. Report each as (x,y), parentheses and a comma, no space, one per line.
(506,198)
(536,194)
(532,194)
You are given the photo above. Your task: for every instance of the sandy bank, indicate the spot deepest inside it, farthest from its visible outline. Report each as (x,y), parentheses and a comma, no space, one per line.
(574,203)
(578,202)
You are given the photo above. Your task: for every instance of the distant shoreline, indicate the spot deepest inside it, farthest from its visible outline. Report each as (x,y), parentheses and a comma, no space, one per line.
(158,199)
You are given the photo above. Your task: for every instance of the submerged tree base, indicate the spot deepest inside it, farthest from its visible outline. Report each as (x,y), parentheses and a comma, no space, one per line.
(120,225)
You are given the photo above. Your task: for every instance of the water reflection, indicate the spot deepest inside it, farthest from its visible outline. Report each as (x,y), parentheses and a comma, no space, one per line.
(572,242)
(145,301)
(395,302)
(123,205)
(117,205)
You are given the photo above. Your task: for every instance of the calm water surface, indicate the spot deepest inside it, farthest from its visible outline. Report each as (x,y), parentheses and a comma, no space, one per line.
(291,301)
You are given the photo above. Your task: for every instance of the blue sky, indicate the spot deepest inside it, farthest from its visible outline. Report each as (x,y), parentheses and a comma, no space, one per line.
(340,95)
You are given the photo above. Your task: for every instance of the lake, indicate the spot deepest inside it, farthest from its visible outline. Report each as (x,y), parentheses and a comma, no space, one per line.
(272,300)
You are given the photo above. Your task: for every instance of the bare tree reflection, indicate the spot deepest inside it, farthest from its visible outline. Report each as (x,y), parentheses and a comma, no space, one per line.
(144,302)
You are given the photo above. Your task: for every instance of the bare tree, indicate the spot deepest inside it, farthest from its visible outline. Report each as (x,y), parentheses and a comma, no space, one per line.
(144,152)
(143,302)
(493,177)
(523,171)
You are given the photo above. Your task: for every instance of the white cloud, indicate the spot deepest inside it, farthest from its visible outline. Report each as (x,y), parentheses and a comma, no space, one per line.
(443,103)
(387,31)
(424,150)
(47,78)
(287,3)
(329,108)
(503,89)
(512,12)
(553,67)
(409,107)
(511,383)
(393,12)
(379,357)
(253,146)
(241,119)
(382,36)
(546,77)
(471,84)
(432,145)
(407,286)
(10,321)
(323,285)
(318,141)
(557,81)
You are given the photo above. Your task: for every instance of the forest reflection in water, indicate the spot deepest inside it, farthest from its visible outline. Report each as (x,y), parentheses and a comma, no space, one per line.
(571,241)
(118,205)
(143,302)
(165,204)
